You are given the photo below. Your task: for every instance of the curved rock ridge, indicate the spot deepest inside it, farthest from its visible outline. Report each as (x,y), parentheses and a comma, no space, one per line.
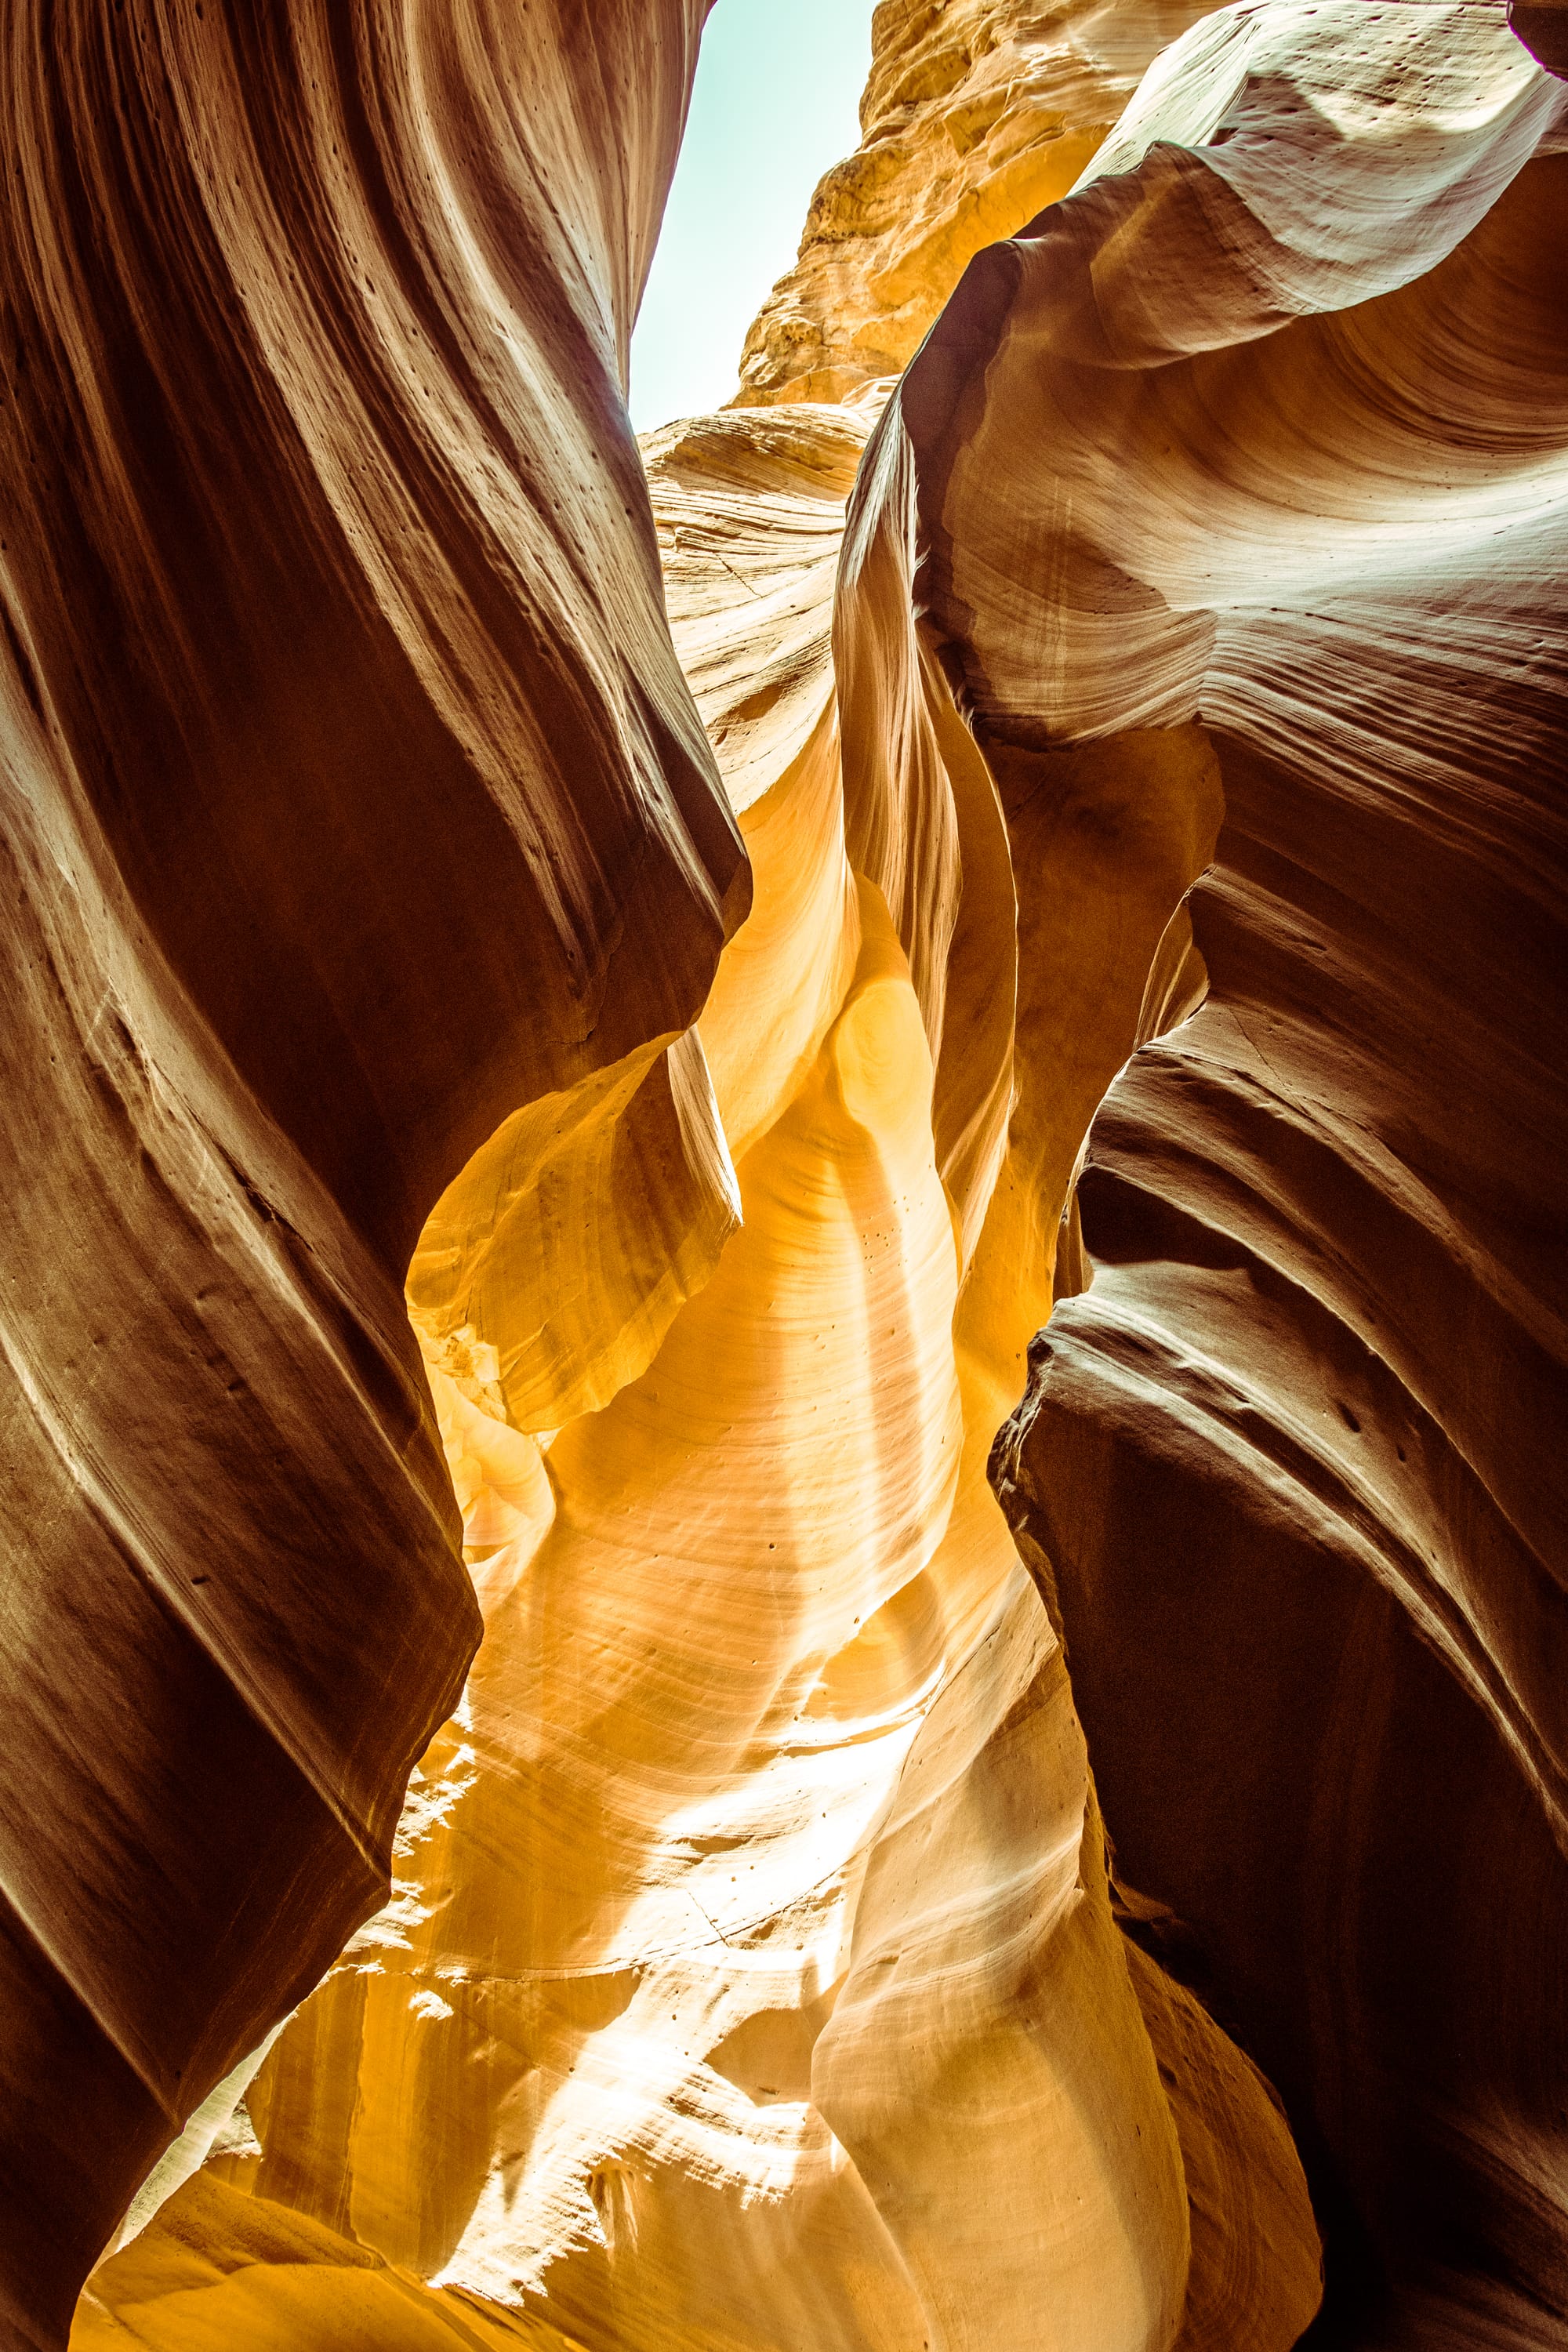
(751,1976)
(1265,428)
(352,798)
(976,114)
(750,512)
(1145,739)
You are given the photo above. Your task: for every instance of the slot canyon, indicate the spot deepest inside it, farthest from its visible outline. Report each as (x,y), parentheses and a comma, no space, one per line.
(785,1274)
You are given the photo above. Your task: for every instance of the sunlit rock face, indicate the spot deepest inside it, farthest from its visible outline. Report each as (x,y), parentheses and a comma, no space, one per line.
(977,114)
(764,1964)
(352,798)
(751,1976)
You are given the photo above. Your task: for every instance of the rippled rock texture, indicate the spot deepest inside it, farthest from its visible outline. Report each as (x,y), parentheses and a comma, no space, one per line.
(1136,745)
(352,798)
(1288,1465)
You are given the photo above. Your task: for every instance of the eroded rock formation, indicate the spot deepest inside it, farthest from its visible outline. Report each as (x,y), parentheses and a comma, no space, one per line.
(977,114)
(1133,883)
(1289,1458)
(344,748)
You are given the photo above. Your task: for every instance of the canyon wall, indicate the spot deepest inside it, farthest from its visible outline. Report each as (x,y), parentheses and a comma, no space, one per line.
(1133,743)
(977,114)
(751,1976)
(352,798)
(1288,1465)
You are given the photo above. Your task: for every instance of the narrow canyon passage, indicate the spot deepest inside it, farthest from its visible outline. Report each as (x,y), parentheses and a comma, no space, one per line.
(752,1912)
(947,982)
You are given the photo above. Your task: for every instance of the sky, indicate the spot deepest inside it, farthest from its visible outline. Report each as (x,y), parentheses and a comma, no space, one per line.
(773,105)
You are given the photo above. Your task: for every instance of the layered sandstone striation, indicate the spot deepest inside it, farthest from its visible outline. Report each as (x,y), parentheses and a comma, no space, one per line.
(751,1976)
(352,798)
(1140,739)
(1265,427)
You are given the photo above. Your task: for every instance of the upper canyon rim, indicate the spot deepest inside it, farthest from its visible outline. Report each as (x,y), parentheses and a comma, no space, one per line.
(783,1307)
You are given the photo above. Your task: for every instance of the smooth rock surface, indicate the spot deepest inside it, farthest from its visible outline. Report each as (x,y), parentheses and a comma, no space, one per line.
(345,752)
(1143,727)
(751,1976)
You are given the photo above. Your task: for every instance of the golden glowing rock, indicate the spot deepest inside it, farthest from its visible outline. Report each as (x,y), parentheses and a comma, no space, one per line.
(752,1975)
(553,1266)
(978,113)
(1113,714)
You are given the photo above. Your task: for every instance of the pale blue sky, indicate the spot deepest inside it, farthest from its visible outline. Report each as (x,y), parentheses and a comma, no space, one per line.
(774,104)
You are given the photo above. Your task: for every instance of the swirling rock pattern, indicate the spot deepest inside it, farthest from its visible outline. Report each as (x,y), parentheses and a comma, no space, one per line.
(1149,711)
(345,752)
(752,1975)
(1295,356)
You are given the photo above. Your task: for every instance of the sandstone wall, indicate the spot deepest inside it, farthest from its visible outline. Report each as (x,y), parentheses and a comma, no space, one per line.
(1138,743)
(344,747)
(977,114)
(1266,429)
